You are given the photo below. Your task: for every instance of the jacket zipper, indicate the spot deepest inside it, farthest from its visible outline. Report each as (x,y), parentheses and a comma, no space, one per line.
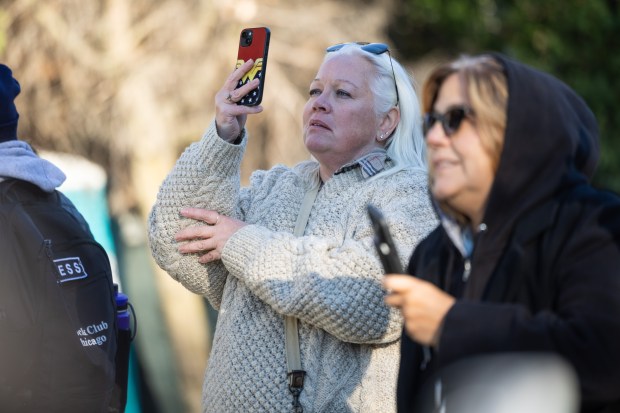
(427,357)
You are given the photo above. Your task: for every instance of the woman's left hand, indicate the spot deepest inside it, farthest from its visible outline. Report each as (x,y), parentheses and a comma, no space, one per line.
(422,304)
(209,238)
(229,116)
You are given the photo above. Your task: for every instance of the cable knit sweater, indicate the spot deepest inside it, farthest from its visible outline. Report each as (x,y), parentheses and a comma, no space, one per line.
(329,278)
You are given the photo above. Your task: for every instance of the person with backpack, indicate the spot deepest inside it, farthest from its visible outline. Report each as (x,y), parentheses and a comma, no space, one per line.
(17,159)
(58,330)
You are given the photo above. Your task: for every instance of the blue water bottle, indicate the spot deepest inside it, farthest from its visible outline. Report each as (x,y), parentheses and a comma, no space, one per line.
(124,338)
(122,310)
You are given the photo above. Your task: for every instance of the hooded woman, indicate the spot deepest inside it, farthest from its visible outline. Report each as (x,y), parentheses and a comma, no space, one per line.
(527,258)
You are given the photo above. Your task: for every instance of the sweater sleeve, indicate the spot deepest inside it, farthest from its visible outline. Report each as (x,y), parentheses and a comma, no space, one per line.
(330,283)
(206,175)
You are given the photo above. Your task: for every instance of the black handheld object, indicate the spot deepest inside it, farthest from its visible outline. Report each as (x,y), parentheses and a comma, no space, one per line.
(384,242)
(253,44)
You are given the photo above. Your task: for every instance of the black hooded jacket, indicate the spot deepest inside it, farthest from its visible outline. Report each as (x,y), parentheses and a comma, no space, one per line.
(545,269)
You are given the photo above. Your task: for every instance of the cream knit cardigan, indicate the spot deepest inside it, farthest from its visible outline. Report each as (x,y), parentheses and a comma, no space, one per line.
(329,279)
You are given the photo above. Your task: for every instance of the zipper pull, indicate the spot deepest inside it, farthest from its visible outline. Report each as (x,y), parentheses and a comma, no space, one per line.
(467,269)
(47,246)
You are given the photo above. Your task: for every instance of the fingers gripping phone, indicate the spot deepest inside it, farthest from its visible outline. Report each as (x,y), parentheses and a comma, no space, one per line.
(384,243)
(253,44)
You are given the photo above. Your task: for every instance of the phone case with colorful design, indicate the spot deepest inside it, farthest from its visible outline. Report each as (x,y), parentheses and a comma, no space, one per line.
(253,44)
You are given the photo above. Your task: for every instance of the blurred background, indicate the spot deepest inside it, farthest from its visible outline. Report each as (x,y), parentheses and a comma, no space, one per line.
(114,90)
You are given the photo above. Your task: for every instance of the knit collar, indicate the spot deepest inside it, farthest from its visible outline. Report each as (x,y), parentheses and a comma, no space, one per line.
(370,164)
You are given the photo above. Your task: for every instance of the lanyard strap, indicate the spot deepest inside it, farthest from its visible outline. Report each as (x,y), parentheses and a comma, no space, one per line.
(293,357)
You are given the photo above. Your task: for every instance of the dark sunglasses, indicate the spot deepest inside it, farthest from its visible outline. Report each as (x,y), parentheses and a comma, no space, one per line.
(450,121)
(374,48)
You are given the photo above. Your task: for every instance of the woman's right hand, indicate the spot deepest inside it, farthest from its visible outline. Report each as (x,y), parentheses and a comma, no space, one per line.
(423,305)
(229,117)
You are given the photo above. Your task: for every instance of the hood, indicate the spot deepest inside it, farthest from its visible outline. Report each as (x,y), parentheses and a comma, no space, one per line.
(551,143)
(18,160)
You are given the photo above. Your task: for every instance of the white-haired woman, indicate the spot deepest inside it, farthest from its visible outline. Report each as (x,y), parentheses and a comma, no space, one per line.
(237,247)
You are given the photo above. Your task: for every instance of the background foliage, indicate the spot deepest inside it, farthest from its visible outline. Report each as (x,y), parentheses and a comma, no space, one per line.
(576,40)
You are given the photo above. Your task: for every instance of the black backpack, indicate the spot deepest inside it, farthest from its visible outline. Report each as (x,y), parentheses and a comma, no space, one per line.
(58,328)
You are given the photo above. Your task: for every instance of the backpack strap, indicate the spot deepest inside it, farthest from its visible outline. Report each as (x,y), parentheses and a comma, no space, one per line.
(14,190)
(6,194)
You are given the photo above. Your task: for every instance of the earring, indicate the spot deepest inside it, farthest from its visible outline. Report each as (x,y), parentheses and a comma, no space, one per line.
(382,137)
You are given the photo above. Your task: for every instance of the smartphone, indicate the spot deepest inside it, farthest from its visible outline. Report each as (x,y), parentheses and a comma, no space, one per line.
(253,44)
(384,243)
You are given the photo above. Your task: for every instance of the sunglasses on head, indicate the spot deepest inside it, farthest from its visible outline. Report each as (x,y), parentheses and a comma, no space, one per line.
(374,48)
(450,121)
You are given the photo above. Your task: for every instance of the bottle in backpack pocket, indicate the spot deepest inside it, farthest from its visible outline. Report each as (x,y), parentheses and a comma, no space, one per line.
(122,310)
(123,323)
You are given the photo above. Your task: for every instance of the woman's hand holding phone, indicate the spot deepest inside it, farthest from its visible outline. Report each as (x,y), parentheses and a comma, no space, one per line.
(243,90)
(229,117)
(423,305)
